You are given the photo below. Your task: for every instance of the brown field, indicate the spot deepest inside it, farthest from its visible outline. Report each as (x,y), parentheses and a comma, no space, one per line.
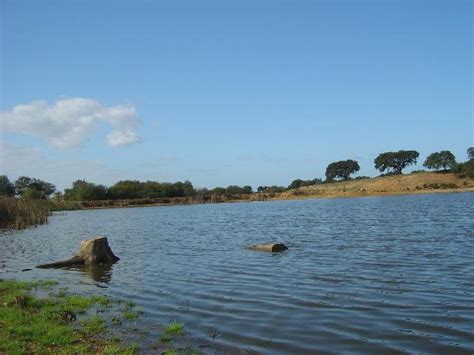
(418,183)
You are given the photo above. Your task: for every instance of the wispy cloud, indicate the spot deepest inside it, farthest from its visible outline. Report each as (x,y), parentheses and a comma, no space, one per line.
(19,160)
(68,123)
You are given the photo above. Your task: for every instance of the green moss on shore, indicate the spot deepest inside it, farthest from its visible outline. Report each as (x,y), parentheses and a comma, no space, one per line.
(56,323)
(42,318)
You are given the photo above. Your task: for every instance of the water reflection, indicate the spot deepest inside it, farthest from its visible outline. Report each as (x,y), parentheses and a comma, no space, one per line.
(100,273)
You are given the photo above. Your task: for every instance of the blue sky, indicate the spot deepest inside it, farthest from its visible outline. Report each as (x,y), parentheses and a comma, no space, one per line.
(230,92)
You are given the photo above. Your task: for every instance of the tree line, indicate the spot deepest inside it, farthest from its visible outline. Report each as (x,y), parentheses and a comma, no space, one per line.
(388,163)
(81,190)
(392,163)
(26,187)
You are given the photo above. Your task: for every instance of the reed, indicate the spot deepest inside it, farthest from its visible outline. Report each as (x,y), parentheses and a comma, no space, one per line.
(61,205)
(18,213)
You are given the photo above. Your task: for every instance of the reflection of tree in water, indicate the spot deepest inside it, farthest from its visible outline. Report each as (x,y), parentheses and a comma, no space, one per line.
(99,273)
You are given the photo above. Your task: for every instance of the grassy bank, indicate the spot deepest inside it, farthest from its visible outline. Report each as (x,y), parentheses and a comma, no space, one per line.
(415,183)
(21,213)
(55,323)
(40,318)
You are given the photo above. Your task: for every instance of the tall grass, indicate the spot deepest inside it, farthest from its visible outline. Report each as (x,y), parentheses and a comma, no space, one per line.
(61,205)
(21,213)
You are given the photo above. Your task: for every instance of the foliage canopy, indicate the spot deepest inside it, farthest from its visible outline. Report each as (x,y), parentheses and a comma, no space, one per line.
(33,188)
(6,187)
(295,184)
(342,169)
(465,169)
(396,161)
(470,153)
(440,160)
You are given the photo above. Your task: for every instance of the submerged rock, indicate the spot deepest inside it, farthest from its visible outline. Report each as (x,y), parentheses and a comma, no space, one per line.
(92,252)
(272,247)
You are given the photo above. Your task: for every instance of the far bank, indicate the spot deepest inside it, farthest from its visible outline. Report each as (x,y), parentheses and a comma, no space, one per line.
(410,184)
(19,213)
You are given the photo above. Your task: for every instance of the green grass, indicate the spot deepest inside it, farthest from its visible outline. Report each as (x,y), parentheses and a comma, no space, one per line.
(32,324)
(94,325)
(78,303)
(130,315)
(43,325)
(129,304)
(117,349)
(171,352)
(174,329)
(170,332)
(104,301)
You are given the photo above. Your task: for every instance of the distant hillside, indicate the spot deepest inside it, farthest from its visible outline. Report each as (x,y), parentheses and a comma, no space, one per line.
(388,185)
(425,182)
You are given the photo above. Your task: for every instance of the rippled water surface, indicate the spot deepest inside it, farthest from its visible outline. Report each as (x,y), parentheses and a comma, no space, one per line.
(364,275)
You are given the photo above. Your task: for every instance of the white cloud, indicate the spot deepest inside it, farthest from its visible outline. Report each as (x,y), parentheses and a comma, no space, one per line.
(67,123)
(117,137)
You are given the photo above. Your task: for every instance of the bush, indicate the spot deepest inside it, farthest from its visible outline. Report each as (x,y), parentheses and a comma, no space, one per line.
(361,177)
(271,189)
(465,169)
(295,184)
(6,187)
(390,173)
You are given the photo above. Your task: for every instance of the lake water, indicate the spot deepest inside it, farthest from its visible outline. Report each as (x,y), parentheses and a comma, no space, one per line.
(362,275)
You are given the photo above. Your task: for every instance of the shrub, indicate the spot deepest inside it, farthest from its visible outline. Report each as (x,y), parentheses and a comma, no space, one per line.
(465,169)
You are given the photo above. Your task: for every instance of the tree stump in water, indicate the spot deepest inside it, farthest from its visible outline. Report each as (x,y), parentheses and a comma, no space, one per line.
(92,251)
(273,247)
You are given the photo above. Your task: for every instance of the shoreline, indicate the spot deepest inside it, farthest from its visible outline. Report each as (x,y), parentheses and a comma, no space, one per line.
(46,316)
(392,185)
(289,198)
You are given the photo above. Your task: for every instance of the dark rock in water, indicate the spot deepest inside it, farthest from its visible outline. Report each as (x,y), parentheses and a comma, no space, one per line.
(92,252)
(272,247)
